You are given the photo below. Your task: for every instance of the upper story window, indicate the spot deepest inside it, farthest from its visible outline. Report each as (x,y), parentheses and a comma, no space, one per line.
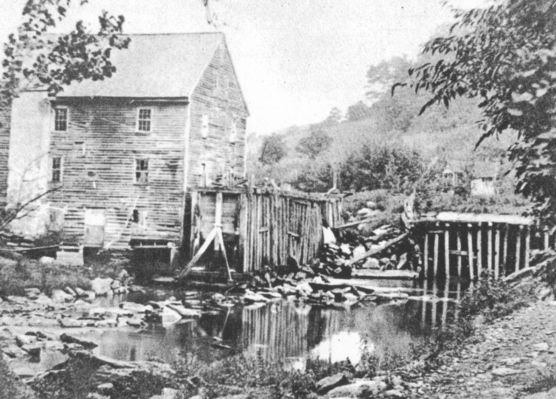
(144,119)
(60,119)
(141,171)
(204,126)
(56,176)
(233,132)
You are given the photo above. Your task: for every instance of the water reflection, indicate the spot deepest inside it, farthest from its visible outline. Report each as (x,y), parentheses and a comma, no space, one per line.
(290,331)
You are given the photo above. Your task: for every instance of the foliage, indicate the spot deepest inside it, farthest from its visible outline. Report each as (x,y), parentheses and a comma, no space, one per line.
(334,117)
(33,57)
(388,166)
(490,298)
(504,55)
(10,387)
(358,111)
(273,149)
(314,144)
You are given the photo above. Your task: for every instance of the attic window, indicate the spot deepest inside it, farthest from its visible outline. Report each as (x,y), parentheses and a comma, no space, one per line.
(144,119)
(60,119)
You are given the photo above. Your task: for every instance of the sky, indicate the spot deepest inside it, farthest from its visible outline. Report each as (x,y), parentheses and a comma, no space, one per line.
(295,59)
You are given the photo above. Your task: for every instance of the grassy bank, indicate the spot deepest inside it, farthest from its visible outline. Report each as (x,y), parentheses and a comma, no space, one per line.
(18,272)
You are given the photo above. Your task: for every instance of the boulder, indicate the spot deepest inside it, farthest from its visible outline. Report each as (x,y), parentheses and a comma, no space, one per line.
(133,307)
(101,286)
(32,293)
(81,293)
(23,339)
(358,388)
(61,296)
(33,350)
(46,260)
(167,393)
(105,388)
(328,383)
(371,263)
(68,322)
(541,347)
(70,291)
(68,339)
(505,371)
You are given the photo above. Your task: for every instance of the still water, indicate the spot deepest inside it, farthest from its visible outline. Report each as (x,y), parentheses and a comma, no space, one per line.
(291,332)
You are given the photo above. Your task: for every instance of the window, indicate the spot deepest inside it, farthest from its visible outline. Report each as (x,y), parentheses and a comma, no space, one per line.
(233,132)
(144,120)
(141,171)
(56,170)
(205,126)
(60,119)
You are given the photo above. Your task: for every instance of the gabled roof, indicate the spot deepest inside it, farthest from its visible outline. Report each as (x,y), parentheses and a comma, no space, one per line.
(154,66)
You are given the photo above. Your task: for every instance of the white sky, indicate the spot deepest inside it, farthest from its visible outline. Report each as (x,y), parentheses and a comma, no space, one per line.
(295,59)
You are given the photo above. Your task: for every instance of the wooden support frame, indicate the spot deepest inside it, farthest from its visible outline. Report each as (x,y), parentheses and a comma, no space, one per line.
(426,256)
(215,236)
(447,249)
(479,250)
(496,252)
(470,251)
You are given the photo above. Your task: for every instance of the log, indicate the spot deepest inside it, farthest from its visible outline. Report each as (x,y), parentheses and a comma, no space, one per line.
(377,251)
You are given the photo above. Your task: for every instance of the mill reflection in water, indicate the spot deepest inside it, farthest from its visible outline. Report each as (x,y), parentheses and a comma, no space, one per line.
(290,332)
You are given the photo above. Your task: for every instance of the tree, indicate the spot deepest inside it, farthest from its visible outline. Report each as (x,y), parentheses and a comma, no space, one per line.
(382,75)
(358,111)
(334,117)
(315,143)
(34,58)
(505,55)
(273,149)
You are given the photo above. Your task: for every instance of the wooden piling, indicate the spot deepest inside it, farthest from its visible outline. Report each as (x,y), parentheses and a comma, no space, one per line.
(479,250)
(470,251)
(458,247)
(506,231)
(546,238)
(518,249)
(435,253)
(426,256)
(447,249)
(496,253)
(527,246)
(489,247)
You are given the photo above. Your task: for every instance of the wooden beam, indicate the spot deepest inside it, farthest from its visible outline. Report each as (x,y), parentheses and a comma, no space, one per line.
(435,256)
(376,251)
(518,249)
(197,256)
(458,246)
(489,247)
(496,253)
(527,245)
(470,251)
(447,249)
(479,250)
(505,247)
(426,256)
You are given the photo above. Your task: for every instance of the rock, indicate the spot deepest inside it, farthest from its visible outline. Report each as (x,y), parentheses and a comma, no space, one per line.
(68,322)
(68,339)
(23,371)
(135,322)
(115,284)
(70,291)
(304,289)
(252,297)
(541,347)
(80,292)
(371,205)
(24,339)
(505,371)
(326,384)
(133,307)
(95,395)
(33,350)
(105,388)
(46,260)
(371,263)
(61,296)
(136,288)
(13,351)
(542,395)
(394,393)
(32,293)
(218,297)
(101,286)
(123,276)
(512,361)
(167,393)
(357,389)
(544,293)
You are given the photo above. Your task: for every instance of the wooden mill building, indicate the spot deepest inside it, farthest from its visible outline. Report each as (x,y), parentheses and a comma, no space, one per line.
(121,154)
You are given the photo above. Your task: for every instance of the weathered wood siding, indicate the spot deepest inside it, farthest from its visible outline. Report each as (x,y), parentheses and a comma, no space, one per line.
(99,151)
(4,151)
(218,96)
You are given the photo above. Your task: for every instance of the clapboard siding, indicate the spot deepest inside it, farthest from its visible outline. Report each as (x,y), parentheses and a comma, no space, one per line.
(219,96)
(4,152)
(99,151)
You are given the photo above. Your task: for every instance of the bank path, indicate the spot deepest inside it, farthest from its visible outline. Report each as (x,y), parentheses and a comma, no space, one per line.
(515,357)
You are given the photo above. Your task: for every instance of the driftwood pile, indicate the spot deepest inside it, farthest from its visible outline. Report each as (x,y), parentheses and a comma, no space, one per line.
(355,246)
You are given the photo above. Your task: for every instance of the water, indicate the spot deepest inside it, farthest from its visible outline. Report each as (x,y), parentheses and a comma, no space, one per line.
(289,331)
